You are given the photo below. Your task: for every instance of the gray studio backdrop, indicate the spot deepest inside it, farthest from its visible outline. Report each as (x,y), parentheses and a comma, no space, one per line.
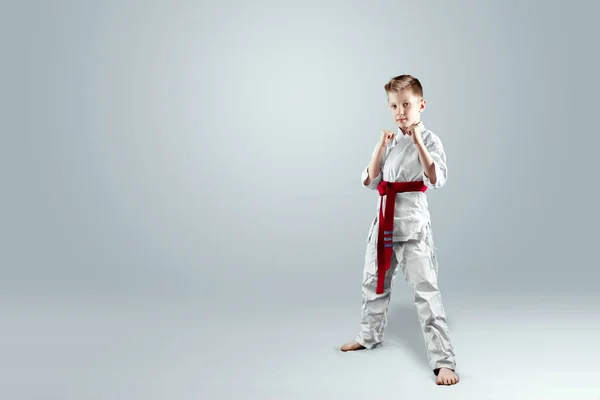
(212,151)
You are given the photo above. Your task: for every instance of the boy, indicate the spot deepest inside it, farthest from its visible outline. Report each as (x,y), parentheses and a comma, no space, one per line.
(403,166)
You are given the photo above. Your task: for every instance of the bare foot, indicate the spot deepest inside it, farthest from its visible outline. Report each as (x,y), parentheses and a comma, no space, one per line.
(446,377)
(352,346)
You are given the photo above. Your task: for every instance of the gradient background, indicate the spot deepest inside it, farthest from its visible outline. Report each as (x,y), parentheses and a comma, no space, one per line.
(183,218)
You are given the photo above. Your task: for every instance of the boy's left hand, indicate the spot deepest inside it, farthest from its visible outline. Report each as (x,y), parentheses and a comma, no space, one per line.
(414,131)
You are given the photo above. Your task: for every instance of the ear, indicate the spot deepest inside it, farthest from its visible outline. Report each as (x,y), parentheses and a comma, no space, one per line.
(422,105)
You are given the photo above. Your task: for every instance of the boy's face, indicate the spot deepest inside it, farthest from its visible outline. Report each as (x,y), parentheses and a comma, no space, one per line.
(405,108)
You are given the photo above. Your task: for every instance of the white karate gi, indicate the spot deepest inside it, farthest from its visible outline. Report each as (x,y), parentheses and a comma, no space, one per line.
(413,250)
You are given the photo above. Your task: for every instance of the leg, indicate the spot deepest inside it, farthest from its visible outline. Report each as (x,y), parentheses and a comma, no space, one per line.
(374,306)
(420,271)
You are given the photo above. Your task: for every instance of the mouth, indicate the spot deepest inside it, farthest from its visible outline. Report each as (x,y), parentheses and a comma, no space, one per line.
(401,119)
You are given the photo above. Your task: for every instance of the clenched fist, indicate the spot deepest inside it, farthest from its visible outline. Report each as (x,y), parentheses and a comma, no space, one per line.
(414,131)
(386,136)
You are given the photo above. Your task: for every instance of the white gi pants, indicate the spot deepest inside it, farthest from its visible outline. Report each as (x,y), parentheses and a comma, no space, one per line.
(417,261)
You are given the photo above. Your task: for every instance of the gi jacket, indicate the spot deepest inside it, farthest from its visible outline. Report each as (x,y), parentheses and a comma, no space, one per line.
(400,163)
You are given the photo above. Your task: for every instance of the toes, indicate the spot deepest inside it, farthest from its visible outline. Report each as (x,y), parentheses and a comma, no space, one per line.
(446,380)
(446,377)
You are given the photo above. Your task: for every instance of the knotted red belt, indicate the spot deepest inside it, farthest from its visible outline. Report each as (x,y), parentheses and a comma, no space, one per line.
(386,223)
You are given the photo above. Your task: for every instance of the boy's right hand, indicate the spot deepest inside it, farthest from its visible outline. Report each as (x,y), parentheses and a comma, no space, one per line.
(386,136)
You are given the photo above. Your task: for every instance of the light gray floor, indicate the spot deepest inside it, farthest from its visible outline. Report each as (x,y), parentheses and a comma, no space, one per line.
(115,348)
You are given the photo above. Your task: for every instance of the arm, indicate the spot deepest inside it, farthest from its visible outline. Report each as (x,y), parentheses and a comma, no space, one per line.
(374,167)
(427,162)
(372,175)
(433,160)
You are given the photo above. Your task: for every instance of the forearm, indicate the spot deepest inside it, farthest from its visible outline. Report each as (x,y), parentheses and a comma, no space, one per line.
(427,162)
(375,165)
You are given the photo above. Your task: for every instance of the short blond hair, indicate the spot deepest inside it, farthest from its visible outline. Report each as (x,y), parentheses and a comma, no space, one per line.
(402,82)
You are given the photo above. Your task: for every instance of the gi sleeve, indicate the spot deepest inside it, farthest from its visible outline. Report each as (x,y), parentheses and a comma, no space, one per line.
(365,173)
(436,150)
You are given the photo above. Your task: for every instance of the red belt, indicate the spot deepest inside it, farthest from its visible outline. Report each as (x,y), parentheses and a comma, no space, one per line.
(386,223)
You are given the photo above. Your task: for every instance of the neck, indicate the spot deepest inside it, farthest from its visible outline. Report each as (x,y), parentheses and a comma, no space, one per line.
(403,130)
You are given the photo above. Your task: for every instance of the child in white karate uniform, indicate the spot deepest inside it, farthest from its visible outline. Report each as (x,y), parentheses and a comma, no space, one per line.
(403,166)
